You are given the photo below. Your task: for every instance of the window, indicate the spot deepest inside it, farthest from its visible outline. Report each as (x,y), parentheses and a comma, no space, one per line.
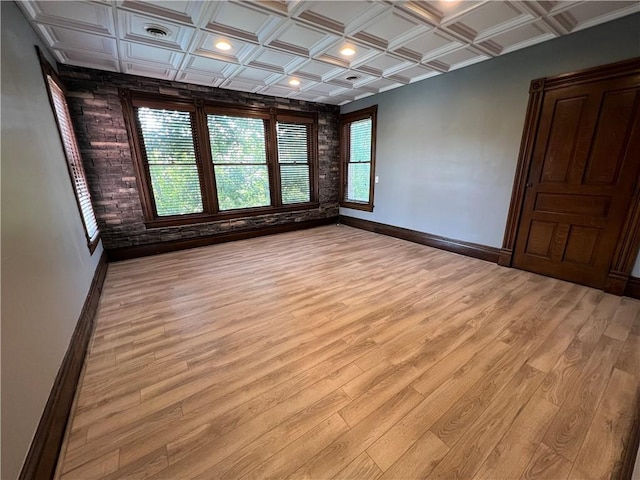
(171,158)
(358,154)
(200,161)
(294,156)
(72,152)
(239,155)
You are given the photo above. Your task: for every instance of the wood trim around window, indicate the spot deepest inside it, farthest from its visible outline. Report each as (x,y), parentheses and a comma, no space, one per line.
(199,109)
(345,141)
(49,71)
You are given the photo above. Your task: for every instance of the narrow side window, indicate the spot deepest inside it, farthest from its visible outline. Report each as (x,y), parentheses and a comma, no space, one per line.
(358,141)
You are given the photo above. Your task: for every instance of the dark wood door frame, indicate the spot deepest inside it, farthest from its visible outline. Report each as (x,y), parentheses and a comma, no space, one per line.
(629,241)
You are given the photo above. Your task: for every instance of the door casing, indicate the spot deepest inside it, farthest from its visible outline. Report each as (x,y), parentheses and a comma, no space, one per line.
(627,247)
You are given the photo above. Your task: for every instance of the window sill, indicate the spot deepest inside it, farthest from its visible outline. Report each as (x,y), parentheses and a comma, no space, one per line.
(367,207)
(92,244)
(178,220)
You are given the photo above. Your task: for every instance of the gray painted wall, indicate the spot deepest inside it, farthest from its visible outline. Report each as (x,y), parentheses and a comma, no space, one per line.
(447,146)
(46,265)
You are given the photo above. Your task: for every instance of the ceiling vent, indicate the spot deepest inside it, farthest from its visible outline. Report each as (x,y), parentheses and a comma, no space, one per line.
(352,78)
(157,30)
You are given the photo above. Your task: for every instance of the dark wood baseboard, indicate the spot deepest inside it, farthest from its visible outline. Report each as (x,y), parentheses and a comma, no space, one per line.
(483,252)
(632,450)
(633,288)
(127,253)
(505,257)
(43,454)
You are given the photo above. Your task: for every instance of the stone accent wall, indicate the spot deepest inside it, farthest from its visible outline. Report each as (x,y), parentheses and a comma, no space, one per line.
(102,136)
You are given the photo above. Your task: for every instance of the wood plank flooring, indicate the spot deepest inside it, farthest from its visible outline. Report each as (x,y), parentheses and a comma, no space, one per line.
(340,353)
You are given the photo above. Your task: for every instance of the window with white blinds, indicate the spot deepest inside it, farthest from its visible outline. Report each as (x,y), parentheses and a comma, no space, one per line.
(201,161)
(74,161)
(359,168)
(167,139)
(294,142)
(358,158)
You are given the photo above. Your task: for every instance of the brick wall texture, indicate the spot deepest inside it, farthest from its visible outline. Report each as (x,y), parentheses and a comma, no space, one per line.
(102,136)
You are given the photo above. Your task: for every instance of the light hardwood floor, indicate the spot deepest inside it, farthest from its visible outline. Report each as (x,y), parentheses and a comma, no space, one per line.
(339,353)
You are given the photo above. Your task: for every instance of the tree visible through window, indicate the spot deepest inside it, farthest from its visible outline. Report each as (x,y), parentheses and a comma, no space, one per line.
(358,158)
(200,161)
(239,157)
(359,174)
(168,143)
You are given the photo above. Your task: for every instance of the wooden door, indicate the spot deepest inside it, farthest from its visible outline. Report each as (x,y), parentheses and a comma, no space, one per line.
(584,170)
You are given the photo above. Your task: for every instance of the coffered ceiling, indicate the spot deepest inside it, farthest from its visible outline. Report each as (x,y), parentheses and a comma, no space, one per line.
(272,43)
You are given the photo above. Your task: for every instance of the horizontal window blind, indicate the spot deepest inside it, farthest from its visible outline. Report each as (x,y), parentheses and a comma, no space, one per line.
(204,161)
(293,158)
(360,145)
(168,142)
(76,169)
(239,156)
(359,162)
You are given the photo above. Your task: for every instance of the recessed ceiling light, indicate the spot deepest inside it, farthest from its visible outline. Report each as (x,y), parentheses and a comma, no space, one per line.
(222,45)
(294,81)
(347,51)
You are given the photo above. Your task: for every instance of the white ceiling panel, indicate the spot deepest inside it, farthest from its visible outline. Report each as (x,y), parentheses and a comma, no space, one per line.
(384,65)
(487,19)
(133,27)
(205,45)
(65,39)
(188,12)
(269,42)
(240,85)
(325,89)
(278,91)
(428,45)
(241,21)
(353,78)
(83,59)
(448,11)
(256,75)
(339,16)
(333,54)
(460,58)
(199,78)
(383,84)
(146,70)
(489,15)
(151,56)
(309,97)
(87,17)
(521,37)
(587,14)
(203,65)
(412,74)
(317,71)
(300,40)
(387,29)
(274,60)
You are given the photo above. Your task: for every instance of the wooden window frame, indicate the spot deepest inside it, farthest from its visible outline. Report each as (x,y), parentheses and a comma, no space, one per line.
(200,108)
(311,121)
(345,121)
(49,72)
